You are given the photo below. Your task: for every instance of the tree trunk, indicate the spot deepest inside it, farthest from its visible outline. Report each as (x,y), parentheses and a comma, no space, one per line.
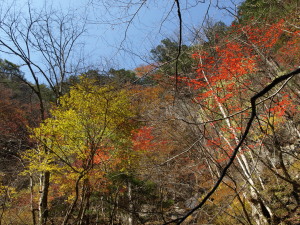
(32,201)
(130,205)
(43,206)
(72,207)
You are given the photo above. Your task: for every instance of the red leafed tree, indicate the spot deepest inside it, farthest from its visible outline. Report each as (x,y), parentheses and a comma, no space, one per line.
(228,74)
(15,118)
(143,139)
(147,146)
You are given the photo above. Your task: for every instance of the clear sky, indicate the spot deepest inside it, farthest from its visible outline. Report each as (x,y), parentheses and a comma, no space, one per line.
(121,35)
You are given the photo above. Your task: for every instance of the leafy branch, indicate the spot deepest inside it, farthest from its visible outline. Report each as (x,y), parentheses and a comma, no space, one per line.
(236,149)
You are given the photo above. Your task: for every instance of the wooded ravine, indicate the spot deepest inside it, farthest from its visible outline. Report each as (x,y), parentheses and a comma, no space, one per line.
(206,133)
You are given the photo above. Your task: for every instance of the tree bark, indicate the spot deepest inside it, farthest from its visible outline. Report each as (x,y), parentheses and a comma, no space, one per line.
(43,205)
(130,205)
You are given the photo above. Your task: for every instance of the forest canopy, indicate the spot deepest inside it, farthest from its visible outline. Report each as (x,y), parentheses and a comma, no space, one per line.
(203,132)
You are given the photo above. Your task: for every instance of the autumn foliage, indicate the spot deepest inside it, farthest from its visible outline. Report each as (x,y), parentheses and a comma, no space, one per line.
(133,147)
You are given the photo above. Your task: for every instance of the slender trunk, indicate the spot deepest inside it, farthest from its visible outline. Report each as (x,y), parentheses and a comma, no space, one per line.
(130,206)
(43,206)
(82,203)
(85,204)
(71,209)
(260,210)
(114,209)
(87,208)
(32,201)
(45,176)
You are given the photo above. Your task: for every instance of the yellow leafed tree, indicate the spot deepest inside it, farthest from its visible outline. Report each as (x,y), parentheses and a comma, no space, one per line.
(82,138)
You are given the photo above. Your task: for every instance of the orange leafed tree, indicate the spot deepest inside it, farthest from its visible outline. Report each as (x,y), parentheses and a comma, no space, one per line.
(227,76)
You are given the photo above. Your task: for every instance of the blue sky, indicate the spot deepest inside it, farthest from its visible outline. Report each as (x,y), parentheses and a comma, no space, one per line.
(153,23)
(105,43)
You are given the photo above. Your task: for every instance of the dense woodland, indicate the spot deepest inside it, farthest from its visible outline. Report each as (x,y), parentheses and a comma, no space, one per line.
(145,146)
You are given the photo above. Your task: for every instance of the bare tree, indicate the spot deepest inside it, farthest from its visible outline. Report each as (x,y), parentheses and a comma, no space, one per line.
(44,41)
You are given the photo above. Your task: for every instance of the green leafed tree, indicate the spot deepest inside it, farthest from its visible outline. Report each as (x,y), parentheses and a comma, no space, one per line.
(166,55)
(268,10)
